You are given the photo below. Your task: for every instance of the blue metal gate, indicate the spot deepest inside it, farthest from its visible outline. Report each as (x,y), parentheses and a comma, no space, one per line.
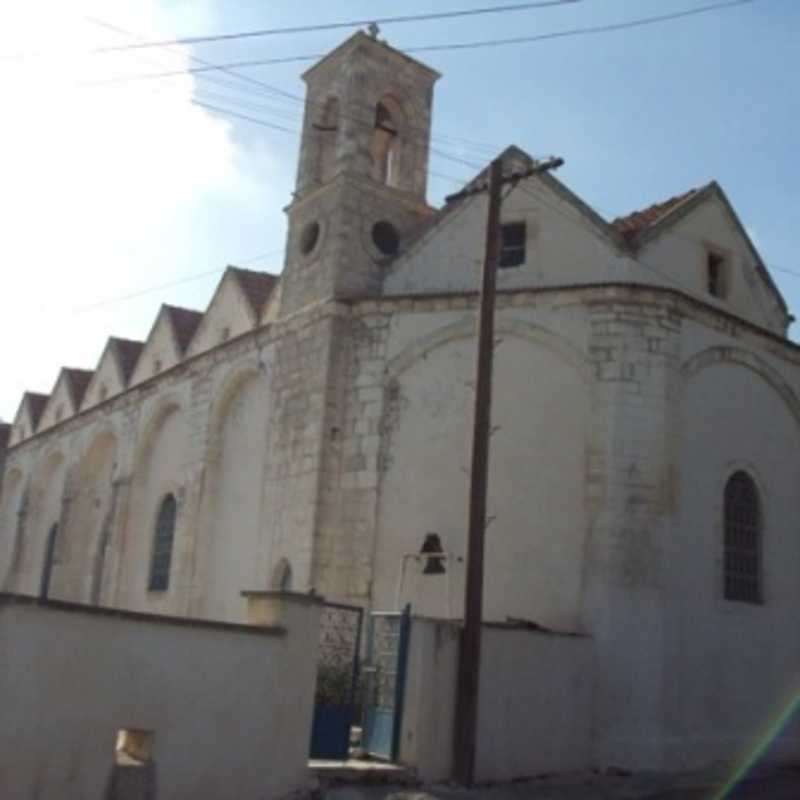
(337,679)
(385,673)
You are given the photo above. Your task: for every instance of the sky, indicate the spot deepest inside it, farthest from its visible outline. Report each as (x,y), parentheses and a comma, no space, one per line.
(119,192)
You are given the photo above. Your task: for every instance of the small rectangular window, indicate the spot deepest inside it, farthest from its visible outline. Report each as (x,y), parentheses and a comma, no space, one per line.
(512,245)
(716,274)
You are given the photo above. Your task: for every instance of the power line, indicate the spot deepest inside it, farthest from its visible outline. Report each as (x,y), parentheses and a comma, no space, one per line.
(246,117)
(179,282)
(330,26)
(594,29)
(419,133)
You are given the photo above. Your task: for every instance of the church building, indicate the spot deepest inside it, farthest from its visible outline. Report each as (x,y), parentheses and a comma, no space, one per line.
(309,432)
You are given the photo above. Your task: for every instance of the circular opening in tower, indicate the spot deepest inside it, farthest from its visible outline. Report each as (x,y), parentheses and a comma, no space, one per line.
(309,238)
(386,237)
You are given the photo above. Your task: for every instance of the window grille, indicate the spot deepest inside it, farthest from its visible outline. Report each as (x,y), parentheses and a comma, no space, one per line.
(742,540)
(512,248)
(162,545)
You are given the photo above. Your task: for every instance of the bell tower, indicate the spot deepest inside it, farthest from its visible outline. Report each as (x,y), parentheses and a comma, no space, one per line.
(362,171)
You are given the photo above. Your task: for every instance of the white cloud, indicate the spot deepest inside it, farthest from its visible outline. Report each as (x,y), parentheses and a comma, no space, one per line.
(94,177)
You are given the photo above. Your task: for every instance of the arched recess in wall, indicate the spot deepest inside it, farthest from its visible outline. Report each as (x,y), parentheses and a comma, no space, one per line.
(743,358)
(77,575)
(11,510)
(160,469)
(737,414)
(326,136)
(235,486)
(465,329)
(390,141)
(282,576)
(541,406)
(46,505)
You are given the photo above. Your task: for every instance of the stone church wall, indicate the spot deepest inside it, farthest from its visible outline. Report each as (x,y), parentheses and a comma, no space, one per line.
(102,475)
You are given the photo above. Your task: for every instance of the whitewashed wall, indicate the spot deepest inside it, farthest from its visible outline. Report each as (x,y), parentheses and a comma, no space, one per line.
(230,706)
(534,707)
(730,667)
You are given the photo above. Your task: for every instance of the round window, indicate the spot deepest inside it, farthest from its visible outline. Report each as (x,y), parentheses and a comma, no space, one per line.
(309,238)
(386,237)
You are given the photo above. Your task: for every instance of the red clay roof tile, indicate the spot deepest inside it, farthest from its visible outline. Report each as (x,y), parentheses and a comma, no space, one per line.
(77,381)
(184,323)
(634,223)
(257,286)
(36,403)
(127,351)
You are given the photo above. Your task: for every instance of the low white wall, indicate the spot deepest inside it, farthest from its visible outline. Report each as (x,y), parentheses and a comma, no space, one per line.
(535,703)
(426,735)
(534,709)
(230,706)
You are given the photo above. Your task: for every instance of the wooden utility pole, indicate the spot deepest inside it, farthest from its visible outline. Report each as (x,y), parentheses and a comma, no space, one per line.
(466,716)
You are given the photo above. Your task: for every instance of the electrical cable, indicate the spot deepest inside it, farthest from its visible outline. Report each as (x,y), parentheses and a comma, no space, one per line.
(585,31)
(330,26)
(421,134)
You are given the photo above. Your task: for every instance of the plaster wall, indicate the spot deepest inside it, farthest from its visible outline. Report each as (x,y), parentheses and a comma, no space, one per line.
(678,259)
(108,493)
(46,505)
(540,410)
(214,736)
(235,489)
(106,377)
(535,702)
(534,713)
(563,247)
(227,317)
(59,406)
(81,537)
(163,468)
(11,508)
(731,666)
(159,353)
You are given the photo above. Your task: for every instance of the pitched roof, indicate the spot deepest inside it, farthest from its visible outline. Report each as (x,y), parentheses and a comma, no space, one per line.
(631,225)
(256,286)
(77,381)
(127,354)
(184,324)
(36,403)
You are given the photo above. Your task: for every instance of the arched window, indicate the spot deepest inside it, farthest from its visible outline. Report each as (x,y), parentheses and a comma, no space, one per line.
(49,557)
(286,579)
(162,545)
(326,134)
(386,142)
(742,563)
(282,576)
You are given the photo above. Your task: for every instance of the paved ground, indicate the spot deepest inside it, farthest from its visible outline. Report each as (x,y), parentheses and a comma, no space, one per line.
(776,784)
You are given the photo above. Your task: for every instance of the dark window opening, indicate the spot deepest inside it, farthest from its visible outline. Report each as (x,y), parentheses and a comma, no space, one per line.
(742,565)
(309,238)
(386,142)
(715,273)
(512,245)
(162,545)
(386,238)
(49,560)
(433,555)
